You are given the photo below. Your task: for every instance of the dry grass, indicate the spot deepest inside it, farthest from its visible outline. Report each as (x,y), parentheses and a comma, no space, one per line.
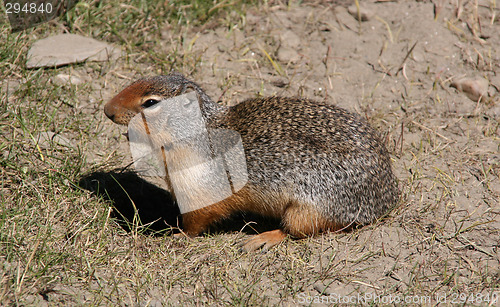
(77,230)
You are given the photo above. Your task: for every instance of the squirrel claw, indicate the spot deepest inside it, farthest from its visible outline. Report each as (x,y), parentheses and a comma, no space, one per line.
(266,240)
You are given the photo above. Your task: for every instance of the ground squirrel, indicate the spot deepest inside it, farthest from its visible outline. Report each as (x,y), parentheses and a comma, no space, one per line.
(313,165)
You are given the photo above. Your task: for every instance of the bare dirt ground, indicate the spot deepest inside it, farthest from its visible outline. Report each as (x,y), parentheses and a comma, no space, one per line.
(442,242)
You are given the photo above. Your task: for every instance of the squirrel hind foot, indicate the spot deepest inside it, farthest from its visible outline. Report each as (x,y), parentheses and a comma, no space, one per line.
(265,240)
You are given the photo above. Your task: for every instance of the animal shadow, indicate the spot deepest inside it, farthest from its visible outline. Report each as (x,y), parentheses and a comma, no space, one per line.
(136,202)
(140,204)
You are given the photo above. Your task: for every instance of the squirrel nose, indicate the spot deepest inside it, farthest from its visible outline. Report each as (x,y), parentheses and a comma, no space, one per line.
(109,114)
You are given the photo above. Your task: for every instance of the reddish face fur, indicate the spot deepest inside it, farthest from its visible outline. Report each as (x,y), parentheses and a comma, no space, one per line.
(129,102)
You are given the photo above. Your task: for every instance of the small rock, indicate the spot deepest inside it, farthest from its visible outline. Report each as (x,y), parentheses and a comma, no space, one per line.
(364,14)
(417,56)
(44,139)
(281,83)
(65,49)
(321,288)
(9,86)
(288,55)
(63,79)
(345,19)
(474,89)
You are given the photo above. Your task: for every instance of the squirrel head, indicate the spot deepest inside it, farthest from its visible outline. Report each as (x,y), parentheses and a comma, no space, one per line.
(147,92)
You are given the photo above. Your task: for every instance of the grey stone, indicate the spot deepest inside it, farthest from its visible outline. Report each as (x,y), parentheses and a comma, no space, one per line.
(65,49)
(65,79)
(345,19)
(288,55)
(44,140)
(364,14)
(475,89)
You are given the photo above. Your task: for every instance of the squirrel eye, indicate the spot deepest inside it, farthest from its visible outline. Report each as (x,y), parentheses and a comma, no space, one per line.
(150,102)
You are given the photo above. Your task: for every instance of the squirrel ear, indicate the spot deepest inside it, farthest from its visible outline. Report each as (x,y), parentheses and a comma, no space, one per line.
(188,88)
(192,88)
